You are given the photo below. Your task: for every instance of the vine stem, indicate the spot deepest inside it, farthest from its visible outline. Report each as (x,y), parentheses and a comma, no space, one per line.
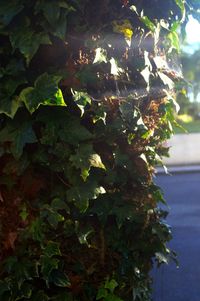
(102,248)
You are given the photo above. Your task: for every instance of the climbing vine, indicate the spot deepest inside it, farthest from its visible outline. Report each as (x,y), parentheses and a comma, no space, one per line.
(87,98)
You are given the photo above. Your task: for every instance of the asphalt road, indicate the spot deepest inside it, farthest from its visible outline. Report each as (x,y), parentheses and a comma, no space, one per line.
(182,192)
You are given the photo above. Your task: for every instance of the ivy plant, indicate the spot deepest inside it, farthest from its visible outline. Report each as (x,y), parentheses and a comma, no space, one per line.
(87,100)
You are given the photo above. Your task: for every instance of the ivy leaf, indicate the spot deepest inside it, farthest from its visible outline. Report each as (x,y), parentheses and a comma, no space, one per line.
(40,295)
(51,10)
(80,195)
(44,92)
(52,216)
(8,10)
(124,27)
(112,297)
(10,105)
(36,230)
(166,80)
(174,40)
(81,99)
(58,204)
(61,26)
(162,258)
(100,56)
(63,296)
(181,5)
(147,70)
(19,136)
(52,249)
(28,41)
(55,13)
(74,132)
(83,233)
(115,69)
(111,285)
(85,158)
(47,266)
(123,212)
(59,278)
(4,287)
(95,161)
(102,293)
(25,291)
(148,23)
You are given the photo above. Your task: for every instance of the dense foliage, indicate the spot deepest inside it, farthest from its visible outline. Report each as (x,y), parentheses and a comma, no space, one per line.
(86,102)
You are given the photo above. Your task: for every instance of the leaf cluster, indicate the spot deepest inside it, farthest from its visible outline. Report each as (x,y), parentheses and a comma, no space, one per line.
(86,104)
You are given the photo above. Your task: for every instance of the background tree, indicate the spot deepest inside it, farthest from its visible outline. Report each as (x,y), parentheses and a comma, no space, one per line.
(86,102)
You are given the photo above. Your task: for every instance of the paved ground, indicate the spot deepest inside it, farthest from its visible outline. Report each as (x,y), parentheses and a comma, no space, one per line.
(185,149)
(182,191)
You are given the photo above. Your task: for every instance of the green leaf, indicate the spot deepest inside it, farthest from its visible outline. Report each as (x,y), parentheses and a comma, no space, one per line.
(36,230)
(85,158)
(181,5)
(40,296)
(112,297)
(59,278)
(55,12)
(10,105)
(148,23)
(58,204)
(25,291)
(44,92)
(81,99)
(102,293)
(28,41)
(4,287)
(83,232)
(63,297)
(95,161)
(47,266)
(23,214)
(52,216)
(111,285)
(8,10)
(61,26)
(81,194)
(51,10)
(19,135)
(74,133)
(22,270)
(52,249)
(174,40)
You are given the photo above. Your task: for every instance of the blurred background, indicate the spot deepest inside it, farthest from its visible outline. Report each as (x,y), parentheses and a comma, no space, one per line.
(181,186)
(185,145)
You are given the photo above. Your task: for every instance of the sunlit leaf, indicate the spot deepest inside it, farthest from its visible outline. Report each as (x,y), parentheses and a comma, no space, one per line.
(81,99)
(100,56)
(174,39)
(44,92)
(148,23)
(181,4)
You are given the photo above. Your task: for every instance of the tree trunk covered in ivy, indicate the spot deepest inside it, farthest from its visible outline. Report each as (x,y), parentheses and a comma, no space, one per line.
(87,100)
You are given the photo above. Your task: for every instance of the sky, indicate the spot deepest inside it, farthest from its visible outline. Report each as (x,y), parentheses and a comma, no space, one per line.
(193,31)
(193,35)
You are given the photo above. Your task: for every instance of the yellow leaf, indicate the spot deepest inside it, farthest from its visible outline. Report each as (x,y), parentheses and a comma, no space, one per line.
(124,27)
